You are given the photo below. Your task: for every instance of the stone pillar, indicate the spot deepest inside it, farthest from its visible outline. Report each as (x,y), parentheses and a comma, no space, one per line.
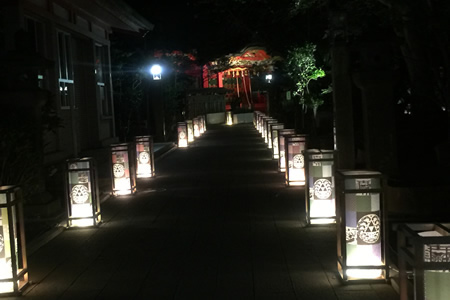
(343,107)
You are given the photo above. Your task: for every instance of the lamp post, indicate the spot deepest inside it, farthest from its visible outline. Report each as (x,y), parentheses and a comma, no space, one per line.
(157,104)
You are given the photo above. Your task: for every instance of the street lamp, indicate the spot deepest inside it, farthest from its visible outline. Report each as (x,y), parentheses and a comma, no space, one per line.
(156,71)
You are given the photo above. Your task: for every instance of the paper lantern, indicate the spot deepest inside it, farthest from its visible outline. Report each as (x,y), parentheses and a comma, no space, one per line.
(83,198)
(320,193)
(13,258)
(145,159)
(229,117)
(122,169)
(274,139)
(196,125)
(270,134)
(424,252)
(360,225)
(267,134)
(295,161)
(190,130)
(182,134)
(282,133)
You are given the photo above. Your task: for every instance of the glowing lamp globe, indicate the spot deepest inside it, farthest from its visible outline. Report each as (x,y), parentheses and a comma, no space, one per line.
(156,71)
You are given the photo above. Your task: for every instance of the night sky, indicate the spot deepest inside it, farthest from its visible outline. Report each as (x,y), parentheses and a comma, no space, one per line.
(181,25)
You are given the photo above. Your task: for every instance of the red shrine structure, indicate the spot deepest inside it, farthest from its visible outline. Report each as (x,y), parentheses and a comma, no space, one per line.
(245,76)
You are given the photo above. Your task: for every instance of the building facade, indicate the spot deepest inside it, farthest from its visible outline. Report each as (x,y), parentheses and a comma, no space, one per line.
(57,53)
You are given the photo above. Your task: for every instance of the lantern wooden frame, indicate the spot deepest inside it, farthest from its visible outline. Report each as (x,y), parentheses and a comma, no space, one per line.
(294,161)
(320,192)
(123,169)
(182,130)
(145,156)
(282,133)
(424,252)
(267,133)
(13,255)
(270,136)
(361,233)
(82,193)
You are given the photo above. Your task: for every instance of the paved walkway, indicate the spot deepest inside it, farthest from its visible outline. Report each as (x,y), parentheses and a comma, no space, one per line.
(216,223)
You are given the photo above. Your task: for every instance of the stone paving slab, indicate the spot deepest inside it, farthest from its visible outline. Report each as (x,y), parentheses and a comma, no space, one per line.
(216,223)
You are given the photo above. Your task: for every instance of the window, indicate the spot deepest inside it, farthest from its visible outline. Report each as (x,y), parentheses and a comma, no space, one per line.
(101,71)
(66,88)
(36,31)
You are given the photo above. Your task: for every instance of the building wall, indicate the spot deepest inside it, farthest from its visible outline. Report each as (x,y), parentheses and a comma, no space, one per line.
(87,117)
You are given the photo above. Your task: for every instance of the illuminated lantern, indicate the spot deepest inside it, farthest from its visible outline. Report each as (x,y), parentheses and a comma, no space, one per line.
(83,199)
(201,124)
(13,259)
(196,124)
(145,159)
(122,169)
(267,133)
(424,252)
(204,123)
(282,133)
(273,143)
(270,127)
(229,118)
(260,120)
(360,228)
(295,161)
(264,126)
(190,130)
(320,186)
(182,134)
(255,118)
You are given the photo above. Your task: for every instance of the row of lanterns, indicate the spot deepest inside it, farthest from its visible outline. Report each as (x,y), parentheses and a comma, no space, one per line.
(129,161)
(354,200)
(356,207)
(189,130)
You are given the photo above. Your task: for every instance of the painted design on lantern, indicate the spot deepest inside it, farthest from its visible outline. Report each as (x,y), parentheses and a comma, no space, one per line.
(275,144)
(73,166)
(182,135)
(83,177)
(298,161)
(369,229)
(322,189)
(80,194)
(144,157)
(118,170)
(350,234)
(436,253)
(363,184)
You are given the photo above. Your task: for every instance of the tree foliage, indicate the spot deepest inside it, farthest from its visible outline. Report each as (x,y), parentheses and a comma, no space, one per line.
(301,67)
